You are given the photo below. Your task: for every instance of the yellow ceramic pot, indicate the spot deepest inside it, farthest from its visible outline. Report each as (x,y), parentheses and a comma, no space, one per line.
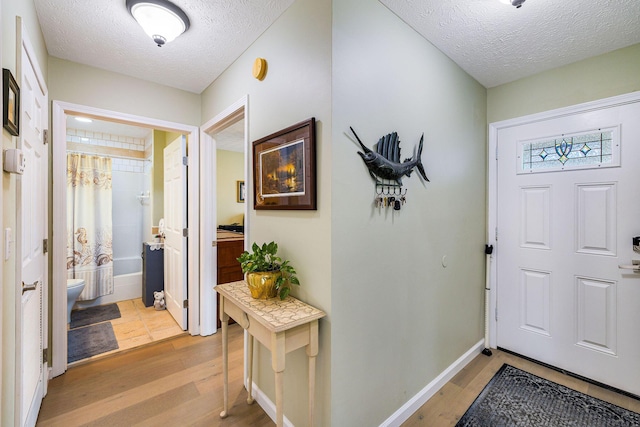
(262,285)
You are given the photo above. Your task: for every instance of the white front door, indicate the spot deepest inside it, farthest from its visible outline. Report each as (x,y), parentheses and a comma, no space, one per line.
(33,219)
(175,217)
(563,229)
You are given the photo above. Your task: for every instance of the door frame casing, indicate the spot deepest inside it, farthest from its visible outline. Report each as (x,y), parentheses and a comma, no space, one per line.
(492,160)
(208,204)
(59,294)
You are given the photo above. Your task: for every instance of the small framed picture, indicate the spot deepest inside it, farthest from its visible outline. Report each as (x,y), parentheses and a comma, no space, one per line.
(240,191)
(284,168)
(10,103)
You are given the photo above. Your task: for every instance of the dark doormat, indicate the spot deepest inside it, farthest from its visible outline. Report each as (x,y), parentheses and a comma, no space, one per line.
(89,341)
(517,398)
(91,315)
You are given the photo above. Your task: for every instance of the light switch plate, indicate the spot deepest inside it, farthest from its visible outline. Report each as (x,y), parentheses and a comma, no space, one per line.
(13,161)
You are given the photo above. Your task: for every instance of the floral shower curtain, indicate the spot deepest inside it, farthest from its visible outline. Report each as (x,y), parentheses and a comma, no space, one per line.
(89,224)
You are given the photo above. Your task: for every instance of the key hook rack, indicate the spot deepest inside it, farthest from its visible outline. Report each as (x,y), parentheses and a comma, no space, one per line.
(387,170)
(390,196)
(390,190)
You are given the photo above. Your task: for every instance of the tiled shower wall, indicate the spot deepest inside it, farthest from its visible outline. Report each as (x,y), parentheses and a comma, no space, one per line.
(106,140)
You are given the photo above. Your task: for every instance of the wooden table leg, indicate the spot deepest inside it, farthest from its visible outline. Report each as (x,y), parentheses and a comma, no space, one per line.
(312,352)
(224,318)
(250,369)
(277,362)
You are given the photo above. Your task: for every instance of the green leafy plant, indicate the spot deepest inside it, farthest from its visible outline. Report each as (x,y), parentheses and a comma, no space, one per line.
(265,259)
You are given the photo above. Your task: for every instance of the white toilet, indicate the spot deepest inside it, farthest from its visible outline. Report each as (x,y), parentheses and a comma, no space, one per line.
(74,289)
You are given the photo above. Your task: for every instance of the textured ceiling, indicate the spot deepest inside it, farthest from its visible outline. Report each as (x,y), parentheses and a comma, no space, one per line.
(497,43)
(231,138)
(103,34)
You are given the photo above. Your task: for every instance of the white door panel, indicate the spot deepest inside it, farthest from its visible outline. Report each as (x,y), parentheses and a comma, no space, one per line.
(175,243)
(32,188)
(562,234)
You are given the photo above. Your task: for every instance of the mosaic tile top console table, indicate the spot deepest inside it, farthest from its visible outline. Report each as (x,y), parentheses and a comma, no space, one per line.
(281,326)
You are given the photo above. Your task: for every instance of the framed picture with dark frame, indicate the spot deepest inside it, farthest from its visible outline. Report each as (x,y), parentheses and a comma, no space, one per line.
(10,103)
(240,191)
(284,168)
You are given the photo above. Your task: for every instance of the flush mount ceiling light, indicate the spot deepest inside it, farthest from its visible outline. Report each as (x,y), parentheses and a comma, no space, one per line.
(83,119)
(162,20)
(516,3)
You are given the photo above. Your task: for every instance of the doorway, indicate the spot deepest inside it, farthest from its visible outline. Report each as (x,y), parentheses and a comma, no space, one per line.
(564,206)
(229,132)
(61,111)
(114,255)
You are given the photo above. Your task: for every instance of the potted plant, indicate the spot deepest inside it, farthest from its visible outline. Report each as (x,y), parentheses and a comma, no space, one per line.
(267,274)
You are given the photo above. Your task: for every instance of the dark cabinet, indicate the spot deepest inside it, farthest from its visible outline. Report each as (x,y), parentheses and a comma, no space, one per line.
(228,266)
(229,249)
(152,272)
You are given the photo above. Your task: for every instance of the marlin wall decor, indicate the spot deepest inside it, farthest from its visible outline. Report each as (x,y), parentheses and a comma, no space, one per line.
(387,171)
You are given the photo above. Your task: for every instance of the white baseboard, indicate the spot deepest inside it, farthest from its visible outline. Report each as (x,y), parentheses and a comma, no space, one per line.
(268,406)
(403,414)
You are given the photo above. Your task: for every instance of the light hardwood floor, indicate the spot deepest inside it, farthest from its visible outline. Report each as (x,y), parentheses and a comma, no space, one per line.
(176,382)
(450,403)
(137,326)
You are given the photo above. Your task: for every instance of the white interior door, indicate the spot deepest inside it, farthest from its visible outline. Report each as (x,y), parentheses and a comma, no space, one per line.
(562,232)
(175,242)
(33,220)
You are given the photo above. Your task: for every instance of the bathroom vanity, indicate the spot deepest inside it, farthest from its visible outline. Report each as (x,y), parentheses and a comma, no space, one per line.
(230,246)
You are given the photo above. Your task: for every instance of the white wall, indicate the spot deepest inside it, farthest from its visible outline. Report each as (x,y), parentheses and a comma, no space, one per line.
(128,212)
(400,317)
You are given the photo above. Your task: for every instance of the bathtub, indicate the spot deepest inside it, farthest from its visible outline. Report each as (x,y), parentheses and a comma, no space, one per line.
(127,283)
(126,266)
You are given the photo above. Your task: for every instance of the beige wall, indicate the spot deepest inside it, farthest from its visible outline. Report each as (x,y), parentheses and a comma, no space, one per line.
(85,85)
(400,317)
(297,48)
(611,74)
(230,170)
(157,177)
(26,10)
(160,141)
